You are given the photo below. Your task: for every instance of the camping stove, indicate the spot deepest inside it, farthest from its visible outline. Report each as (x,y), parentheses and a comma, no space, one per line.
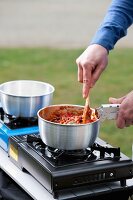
(71,174)
(11,126)
(65,174)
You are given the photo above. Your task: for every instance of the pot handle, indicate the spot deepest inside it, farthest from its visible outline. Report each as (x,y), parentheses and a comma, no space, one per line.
(108,111)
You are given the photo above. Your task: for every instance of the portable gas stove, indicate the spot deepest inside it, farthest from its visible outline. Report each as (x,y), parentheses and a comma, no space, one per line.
(11,126)
(65,174)
(71,174)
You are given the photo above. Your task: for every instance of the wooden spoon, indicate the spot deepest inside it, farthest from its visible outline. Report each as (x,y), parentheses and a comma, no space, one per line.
(87,110)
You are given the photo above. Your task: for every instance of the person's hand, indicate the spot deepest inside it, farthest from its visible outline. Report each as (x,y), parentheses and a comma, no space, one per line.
(91,63)
(125,114)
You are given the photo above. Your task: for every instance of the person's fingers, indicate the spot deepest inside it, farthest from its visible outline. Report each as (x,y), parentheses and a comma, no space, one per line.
(86,88)
(115,100)
(128,122)
(120,122)
(86,81)
(80,73)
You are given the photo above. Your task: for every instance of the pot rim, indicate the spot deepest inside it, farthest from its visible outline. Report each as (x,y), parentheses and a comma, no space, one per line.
(27,96)
(67,125)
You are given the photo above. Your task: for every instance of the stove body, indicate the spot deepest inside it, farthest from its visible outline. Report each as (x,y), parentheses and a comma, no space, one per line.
(66,173)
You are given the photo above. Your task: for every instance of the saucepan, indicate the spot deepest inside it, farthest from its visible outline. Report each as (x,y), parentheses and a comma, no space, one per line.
(72,136)
(23,98)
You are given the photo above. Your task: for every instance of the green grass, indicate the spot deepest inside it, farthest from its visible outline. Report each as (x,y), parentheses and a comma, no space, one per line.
(58,67)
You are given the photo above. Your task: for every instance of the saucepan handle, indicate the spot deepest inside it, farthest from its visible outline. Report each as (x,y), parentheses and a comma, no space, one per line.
(108,111)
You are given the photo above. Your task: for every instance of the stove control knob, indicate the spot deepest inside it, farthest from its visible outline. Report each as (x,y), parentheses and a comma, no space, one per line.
(111,174)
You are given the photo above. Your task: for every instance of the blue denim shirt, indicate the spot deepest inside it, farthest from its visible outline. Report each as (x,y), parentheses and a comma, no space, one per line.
(115,24)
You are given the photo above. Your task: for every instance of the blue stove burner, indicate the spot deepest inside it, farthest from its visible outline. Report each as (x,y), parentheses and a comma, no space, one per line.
(13,126)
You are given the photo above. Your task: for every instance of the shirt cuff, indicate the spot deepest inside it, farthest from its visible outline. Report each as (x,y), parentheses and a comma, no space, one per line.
(107,37)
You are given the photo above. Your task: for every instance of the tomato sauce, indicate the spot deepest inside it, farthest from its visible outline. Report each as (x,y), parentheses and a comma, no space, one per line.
(67,115)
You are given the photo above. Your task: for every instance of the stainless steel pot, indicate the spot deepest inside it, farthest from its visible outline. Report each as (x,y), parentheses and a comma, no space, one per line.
(72,136)
(23,98)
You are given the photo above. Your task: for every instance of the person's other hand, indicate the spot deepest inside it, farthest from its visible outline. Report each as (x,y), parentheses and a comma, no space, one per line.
(91,63)
(125,114)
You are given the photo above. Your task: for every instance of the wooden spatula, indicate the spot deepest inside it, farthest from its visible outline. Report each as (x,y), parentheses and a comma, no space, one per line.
(87,110)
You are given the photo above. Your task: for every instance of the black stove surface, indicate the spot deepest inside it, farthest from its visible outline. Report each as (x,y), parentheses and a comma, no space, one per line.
(13,122)
(60,158)
(100,152)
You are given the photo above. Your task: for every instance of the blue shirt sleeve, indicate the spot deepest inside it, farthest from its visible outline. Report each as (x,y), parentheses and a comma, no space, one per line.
(115,24)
